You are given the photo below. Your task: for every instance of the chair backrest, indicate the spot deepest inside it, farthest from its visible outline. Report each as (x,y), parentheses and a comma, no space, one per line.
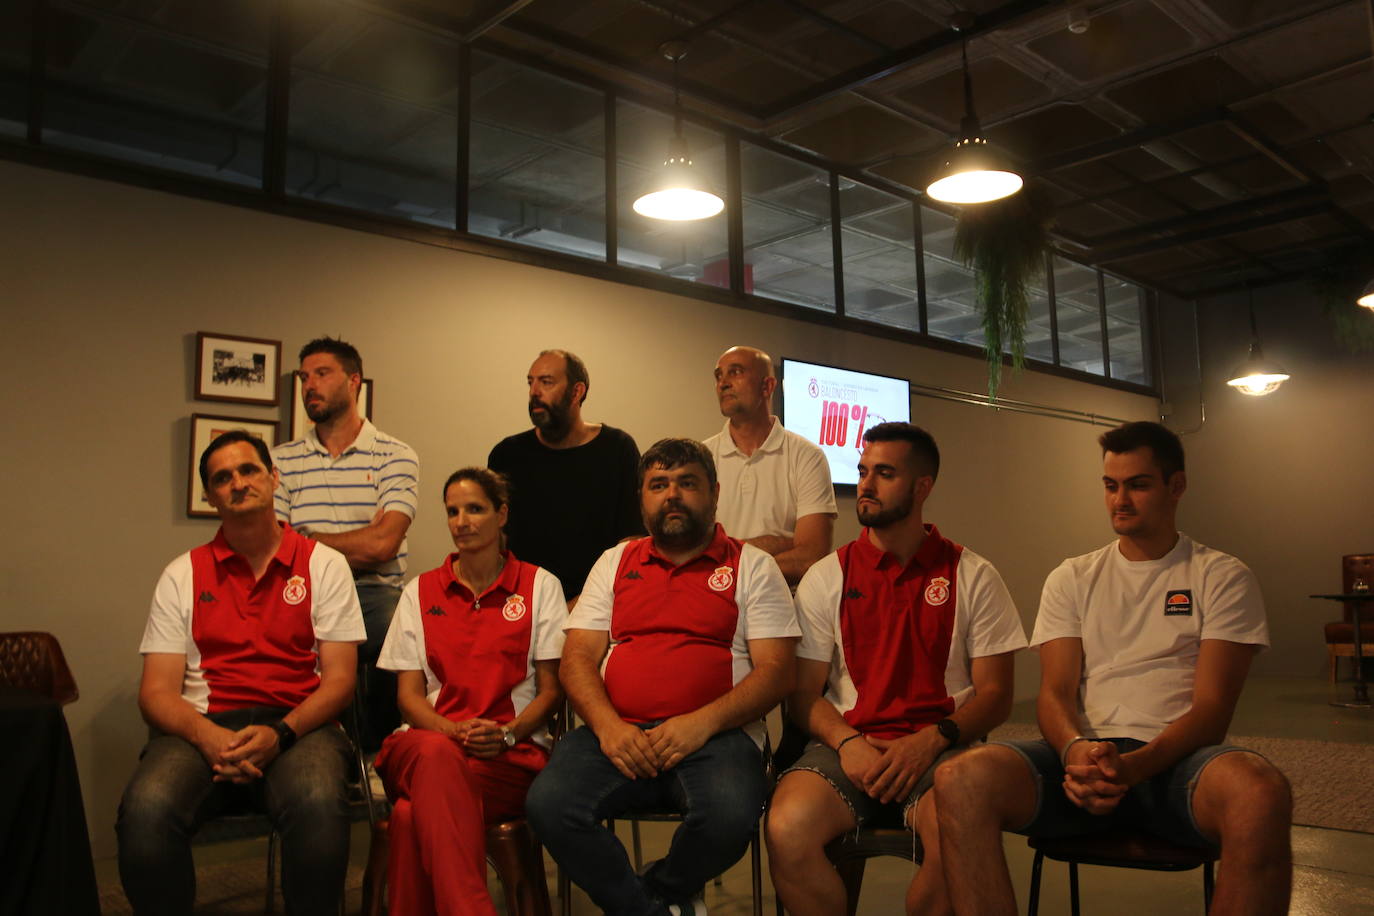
(1356,566)
(34,661)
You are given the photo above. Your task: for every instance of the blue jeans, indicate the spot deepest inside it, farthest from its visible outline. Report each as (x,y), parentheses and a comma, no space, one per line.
(719,790)
(378,716)
(172,794)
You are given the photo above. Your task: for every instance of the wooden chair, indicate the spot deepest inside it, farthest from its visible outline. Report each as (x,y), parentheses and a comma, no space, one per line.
(1340,635)
(34,661)
(1117,849)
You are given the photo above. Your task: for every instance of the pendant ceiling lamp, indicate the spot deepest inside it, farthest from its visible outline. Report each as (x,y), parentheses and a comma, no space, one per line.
(1257,376)
(678,192)
(1367,296)
(975,173)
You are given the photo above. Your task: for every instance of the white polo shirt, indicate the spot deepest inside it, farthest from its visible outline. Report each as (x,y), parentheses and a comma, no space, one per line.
(1142,624)
(765,493)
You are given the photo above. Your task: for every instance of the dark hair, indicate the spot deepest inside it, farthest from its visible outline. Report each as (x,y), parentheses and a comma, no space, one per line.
(345,353)
(229,438)
(1162,442)
(924,451)
(493,484)
(674,453)
(574,370)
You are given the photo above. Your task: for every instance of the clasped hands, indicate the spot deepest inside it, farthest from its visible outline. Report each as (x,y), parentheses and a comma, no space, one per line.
(888,769)
(1096,776)
(478,737)
(240,756)
(645,752)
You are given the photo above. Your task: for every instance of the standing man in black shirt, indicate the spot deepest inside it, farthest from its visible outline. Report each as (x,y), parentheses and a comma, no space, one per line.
(574,489)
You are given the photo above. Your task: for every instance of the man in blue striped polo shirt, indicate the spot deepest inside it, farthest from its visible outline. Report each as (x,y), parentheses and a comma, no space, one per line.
(352,487)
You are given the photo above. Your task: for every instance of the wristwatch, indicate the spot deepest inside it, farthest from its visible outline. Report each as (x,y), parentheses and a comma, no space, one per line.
(286,736)
(507,736)
(949,730)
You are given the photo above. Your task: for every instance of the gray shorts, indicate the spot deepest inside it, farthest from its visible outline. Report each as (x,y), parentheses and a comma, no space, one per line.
(1161,805)
(868,811)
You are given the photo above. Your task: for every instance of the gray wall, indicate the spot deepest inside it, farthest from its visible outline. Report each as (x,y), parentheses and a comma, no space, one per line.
(106,285)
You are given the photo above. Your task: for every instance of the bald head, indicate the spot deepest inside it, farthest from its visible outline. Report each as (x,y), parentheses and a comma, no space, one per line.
(745,383)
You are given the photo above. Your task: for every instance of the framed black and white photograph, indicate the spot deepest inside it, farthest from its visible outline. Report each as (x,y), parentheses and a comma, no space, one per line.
(241,370)
(300,420)
(204,429)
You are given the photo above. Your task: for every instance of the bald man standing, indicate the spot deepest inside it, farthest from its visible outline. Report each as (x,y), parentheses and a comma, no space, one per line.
(775,490)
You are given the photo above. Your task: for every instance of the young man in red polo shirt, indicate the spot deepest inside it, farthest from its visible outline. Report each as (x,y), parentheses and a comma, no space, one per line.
(906,655)
(679,645)
(248,657)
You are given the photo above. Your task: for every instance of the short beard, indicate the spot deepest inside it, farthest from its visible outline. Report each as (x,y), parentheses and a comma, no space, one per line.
(679,534)
(556,421)
(888,515)
(321,411)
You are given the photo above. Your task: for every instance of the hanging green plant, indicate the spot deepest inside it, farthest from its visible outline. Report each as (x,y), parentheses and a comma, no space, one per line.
(1005,242)
(1337,283)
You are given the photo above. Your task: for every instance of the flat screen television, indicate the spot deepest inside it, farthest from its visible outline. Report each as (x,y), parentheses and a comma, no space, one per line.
(832,407)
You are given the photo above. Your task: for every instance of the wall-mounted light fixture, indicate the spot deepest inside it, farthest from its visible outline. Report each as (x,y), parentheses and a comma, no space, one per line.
(975,173)
(1257,376)
(1367,296)
(678,191)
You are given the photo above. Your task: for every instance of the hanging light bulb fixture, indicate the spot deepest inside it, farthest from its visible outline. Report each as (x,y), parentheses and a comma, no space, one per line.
(1367,296)
(678,192)
(975,173)
(1257,376)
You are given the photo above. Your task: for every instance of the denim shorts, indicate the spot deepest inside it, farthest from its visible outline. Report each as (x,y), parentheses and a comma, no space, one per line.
(1161,805)
(868,811)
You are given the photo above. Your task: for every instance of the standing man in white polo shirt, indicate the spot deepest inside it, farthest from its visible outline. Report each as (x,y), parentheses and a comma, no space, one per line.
(775,489)
(1144,647)
(347,485)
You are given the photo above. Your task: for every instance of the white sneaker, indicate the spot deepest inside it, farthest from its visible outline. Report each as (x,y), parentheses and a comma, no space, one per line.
(374,782)
(698,906)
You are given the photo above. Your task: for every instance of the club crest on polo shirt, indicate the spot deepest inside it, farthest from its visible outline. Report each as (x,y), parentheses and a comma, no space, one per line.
(721,579)
(937,592)
(1178,602)
(294,592)
(514,608)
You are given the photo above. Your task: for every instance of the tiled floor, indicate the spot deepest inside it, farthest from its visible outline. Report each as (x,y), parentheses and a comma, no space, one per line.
(1333,873)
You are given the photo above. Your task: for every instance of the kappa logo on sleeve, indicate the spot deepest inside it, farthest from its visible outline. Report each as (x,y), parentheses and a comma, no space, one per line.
(1178,603)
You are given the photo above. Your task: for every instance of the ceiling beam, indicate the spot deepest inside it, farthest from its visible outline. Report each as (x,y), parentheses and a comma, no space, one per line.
(902,58)
(1306,194)
(1221,230)
(495,18)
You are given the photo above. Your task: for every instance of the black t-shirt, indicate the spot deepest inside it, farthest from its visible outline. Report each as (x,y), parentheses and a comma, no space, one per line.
(567,505)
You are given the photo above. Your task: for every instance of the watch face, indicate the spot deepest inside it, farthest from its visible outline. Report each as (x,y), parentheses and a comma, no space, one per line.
(509,738)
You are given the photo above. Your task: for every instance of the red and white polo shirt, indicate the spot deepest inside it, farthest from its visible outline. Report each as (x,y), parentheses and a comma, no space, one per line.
(478,652)
(253,643)
(899,639)
(680,634)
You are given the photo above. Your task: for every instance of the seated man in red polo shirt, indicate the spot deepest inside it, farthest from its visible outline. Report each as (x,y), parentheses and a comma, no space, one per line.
(248,657)
(906,655)
(679,645)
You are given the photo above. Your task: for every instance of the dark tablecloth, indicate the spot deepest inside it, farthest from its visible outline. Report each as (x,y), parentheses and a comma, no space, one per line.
(44,846)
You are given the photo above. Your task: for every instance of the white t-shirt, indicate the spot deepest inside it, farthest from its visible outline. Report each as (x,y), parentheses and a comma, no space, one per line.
(1142,624)
(786,478)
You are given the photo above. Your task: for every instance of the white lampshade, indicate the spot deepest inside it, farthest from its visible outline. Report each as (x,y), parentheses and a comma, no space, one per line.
(679,193)
(1258,376)
(1367,296)
(973,175)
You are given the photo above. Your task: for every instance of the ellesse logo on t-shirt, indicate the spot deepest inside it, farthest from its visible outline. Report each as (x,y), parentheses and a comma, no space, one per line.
(1178,603)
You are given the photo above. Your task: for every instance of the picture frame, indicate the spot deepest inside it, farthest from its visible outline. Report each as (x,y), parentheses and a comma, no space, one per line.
(238,370)
(204,428)
(300,420)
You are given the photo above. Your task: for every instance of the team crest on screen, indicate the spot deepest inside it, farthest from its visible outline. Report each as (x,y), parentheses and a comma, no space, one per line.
(721,579)
(294,593)
(813,389)
(937,592)
(514,608)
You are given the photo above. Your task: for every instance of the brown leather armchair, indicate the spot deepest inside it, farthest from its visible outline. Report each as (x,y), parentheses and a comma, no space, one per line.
(1340,635)
(34,661)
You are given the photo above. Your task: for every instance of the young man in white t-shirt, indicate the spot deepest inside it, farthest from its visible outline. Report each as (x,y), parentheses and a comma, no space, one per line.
(1144,648)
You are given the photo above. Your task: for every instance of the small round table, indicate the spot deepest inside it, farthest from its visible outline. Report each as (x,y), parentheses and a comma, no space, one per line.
(1356,599)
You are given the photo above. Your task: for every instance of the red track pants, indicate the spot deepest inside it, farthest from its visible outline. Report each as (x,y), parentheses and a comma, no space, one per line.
(443,801)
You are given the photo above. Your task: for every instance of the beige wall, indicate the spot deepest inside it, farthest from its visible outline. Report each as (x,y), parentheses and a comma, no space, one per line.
(105,286)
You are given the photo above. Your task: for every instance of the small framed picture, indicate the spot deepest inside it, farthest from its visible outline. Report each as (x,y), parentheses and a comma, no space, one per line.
(204,429)
(242,370)
(300,420)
